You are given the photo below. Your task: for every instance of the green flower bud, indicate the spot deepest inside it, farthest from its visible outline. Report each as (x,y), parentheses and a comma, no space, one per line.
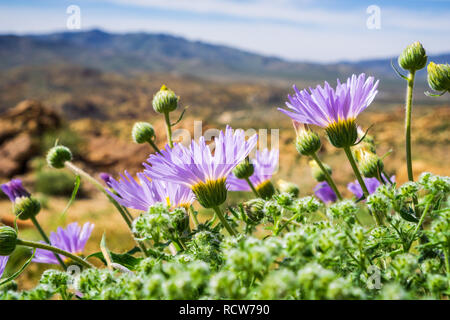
(343,133)
(26,207)
(180,220)
(212,193)
(165,100)
(413,57)
(8,240)
(370,164)
(255,209)
(307,142)
(57,156)
(142,132)
(439,76)
(244,169)
(288,187)
(317,173)
(266,189)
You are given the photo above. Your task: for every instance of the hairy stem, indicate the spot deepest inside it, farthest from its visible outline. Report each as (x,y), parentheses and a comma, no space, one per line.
(154,146)
(194,216)
(46,239)
(327,175)
(224,222)
(55,250)
(252,187)
(100,187)
(169,129)
(352,161)
(408,112)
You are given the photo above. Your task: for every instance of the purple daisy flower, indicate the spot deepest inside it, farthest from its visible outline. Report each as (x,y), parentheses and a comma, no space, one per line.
(14,189)
(72,239)
(371,183)
(145,194)
(197,168)
(265,164)
(326,106)
(3,262)
(324,192)
(106,177)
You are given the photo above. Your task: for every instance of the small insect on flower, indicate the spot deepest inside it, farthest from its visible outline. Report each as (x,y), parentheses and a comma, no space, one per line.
(324,192)
(25,206)
(335,110)
(371,183)
(141,196)
(71,239)
(197,168)
(265,164)
(3,262)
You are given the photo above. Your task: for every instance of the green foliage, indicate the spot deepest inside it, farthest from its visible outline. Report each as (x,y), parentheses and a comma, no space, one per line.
(302,257)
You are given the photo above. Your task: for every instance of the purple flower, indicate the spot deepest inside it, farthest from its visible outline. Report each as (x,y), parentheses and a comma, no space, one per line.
(14,189)
(3,262)
(324,192)
(326,106)
(371,183)
(106,177)
(196,164)
(145,194)
(265,164)
(72,239)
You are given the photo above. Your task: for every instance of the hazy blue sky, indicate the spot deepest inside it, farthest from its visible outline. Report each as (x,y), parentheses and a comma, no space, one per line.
(294,29)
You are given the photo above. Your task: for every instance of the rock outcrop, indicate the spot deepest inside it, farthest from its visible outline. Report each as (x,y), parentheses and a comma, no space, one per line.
(21,129)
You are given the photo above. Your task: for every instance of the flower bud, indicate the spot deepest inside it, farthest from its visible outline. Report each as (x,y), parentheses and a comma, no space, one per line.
(142,132)
(307,142)
(266,189)
(370,164)
(8,240)
(342,134)
(212,193)
(413,57)
(26,207)
(289,187)
(57,156)
(255,209)
(180,220)
(317,173)
(439,76)
(244,170)
(165,100)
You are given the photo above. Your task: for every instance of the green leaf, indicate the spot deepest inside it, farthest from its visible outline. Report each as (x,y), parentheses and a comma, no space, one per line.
(124,259)
(74,194)
(408,214)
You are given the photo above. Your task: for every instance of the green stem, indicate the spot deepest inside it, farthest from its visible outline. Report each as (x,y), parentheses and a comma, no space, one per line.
(447,259)
(100,187)
(194,216)
(252,187)
(409,98)
(224,222)
(130,217)
(169,129)
(46,239)
(352,161)
(419,224)
(55,250)
(327,175)
(154,146)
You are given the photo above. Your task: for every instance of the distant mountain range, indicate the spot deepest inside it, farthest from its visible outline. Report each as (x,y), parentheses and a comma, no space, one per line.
(137,52)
